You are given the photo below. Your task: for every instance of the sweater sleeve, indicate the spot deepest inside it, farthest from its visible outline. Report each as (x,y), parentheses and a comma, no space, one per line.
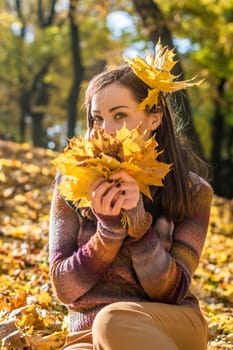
(166,273)
(74,270)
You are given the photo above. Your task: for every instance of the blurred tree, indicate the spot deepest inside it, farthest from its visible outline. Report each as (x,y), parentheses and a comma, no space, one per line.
(203,30)
(77,69)
(156,27)
(27,60)
(41,63)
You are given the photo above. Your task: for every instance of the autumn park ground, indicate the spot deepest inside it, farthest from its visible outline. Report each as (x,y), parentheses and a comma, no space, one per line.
(30,316)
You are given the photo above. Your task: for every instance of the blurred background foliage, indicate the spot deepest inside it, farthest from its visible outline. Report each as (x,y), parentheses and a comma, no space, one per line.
(49,50)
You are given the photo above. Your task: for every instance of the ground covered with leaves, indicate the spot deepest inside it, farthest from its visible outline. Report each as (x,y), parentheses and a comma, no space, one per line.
(30,317)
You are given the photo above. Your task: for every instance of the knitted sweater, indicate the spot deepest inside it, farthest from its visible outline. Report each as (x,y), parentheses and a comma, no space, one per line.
(94,263)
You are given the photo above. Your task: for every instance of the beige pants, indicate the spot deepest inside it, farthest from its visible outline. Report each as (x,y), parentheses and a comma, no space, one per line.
(142,326)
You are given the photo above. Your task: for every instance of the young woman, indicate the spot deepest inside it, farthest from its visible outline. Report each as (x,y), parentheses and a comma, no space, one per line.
(129,288)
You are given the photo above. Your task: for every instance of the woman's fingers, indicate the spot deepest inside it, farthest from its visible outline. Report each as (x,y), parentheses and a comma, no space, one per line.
(121,191)
(98,193)
(110,197)
(97,183)
(131,194)
(117,205)
(103,197)
(122,176)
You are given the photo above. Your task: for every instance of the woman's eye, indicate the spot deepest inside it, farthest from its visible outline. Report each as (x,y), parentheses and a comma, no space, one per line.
(120,116)
(97,119)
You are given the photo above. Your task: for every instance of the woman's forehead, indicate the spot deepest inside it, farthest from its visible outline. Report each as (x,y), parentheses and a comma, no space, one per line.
(114,93)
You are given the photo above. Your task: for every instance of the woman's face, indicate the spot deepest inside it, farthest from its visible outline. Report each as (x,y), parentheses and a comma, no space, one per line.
(114,105)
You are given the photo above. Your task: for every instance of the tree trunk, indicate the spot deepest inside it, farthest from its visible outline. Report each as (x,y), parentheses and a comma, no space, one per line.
(229,144)
(78,72)
(228,166)
(218,125)
(38,132)
(218,139)
(24,111)
(23,97)
(155,25)
(39,98)
(37,94)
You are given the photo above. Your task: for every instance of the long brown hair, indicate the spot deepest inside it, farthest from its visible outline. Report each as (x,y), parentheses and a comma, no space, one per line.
(175,200)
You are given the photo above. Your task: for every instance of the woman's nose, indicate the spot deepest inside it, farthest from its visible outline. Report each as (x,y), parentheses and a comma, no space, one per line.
(109,127)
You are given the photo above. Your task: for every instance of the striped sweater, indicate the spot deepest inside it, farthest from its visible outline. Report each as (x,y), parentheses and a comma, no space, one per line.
(94,263)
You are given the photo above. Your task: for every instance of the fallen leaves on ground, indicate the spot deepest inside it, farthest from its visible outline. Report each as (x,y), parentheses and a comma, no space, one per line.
(30,316)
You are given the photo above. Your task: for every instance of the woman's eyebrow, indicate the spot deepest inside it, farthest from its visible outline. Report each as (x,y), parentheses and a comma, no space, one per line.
(116,107)
(111,109)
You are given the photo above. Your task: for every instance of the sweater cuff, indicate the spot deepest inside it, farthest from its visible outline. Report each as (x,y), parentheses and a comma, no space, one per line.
(140,220)
(139,223)
(110,226)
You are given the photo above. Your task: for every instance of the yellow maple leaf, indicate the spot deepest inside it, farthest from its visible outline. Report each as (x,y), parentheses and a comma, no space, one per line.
(84,161)
(155,71)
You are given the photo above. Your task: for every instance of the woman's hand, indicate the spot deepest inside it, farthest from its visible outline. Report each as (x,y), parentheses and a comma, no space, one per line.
(120,191)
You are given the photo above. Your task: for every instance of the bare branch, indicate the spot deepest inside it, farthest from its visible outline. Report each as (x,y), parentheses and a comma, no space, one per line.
(43,21)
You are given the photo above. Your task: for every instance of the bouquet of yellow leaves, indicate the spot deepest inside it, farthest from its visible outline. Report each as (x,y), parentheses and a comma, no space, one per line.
(85,161)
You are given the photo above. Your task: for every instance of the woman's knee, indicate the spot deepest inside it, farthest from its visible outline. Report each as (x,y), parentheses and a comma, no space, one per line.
(107,319)
(124,325)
